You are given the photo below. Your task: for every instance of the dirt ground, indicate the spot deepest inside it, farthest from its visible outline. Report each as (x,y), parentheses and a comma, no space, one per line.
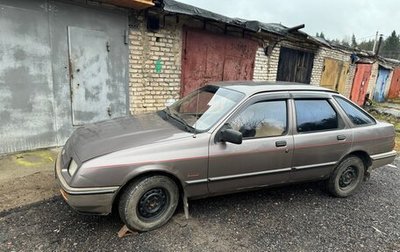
(27,177)
(301,217)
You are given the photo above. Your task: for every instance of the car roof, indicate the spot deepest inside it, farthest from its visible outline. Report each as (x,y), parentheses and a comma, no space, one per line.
(253,87)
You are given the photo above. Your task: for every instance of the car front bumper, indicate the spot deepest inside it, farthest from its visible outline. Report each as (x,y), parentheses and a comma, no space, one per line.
(93,200)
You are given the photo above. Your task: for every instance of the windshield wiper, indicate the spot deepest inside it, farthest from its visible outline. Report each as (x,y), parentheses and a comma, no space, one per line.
(177,118)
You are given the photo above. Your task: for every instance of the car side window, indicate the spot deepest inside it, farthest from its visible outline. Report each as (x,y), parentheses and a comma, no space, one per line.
(356,115)
(262,119)
(315,115)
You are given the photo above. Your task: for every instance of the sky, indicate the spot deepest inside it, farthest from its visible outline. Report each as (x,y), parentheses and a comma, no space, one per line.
(336,18)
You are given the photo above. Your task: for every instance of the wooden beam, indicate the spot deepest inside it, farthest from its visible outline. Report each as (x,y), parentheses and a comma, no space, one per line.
(134,4)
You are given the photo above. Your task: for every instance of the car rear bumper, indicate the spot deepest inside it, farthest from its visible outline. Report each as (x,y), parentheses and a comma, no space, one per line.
(96,200)
(382,159)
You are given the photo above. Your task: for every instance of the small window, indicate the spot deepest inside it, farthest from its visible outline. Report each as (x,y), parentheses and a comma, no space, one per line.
(356,115)
(315,115)
(262,119)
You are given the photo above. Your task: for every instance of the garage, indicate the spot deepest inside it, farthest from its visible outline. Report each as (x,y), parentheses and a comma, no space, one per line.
(61,65)
(295,65)
(334,74)
(210,57)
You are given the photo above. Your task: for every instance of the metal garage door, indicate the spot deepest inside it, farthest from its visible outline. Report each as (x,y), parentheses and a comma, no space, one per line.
(26,88)
(381,82)
(295,65)
(334,74)
(360,83)
(45,88)
(394,91)
(88,75)
(210,57)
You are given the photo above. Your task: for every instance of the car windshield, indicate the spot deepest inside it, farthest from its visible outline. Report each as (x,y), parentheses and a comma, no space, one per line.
(201,109)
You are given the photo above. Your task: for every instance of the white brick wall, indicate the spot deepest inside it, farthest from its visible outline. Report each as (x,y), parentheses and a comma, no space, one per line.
(319,58)
(349,81)
(372,79)
(260,66)
(149,90)
(266,67)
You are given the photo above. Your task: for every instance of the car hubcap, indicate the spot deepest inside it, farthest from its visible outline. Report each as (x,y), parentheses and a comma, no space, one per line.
(348,177)
(152,203)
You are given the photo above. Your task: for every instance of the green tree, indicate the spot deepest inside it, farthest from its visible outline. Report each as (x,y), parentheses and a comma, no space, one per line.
(320,35)
(345,42)
(366,45)
(391,46)
(353,41)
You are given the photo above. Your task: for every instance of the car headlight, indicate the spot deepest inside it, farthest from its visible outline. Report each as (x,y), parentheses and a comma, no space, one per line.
(73,166)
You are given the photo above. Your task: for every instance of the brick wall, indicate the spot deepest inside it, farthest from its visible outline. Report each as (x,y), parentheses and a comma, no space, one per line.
(260,66)
(372,79)
(155,63)
(266,67)
(273,63)
(349,81)
(319,58)
(154,67)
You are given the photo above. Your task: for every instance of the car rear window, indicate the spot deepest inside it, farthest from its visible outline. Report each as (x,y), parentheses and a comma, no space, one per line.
(356,115)
(315,115)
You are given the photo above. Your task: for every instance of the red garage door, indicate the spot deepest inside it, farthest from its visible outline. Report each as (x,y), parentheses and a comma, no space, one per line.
(210,57)
(394,91)
(360,83)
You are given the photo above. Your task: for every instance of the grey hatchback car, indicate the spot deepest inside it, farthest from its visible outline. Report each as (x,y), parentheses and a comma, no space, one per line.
(222,138)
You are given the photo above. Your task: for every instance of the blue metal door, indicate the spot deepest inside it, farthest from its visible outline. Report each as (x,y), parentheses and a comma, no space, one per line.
(379,93)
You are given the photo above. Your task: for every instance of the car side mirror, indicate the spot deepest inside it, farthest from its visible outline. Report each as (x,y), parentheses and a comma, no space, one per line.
(231,136)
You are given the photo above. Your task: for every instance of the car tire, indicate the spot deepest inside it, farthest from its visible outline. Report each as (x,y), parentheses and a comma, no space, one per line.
(148,203)
(347,177)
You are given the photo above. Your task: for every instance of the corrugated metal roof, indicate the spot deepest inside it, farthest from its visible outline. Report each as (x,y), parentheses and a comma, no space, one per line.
(274,28)
(252,25)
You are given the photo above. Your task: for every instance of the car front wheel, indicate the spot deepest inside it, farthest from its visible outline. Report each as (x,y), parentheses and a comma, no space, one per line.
(347,177)
(149,203)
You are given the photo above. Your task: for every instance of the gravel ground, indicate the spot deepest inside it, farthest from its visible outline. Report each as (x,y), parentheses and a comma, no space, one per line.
(293,218)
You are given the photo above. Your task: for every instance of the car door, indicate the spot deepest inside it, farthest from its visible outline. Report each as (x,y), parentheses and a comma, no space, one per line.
(321,136)
(265,155)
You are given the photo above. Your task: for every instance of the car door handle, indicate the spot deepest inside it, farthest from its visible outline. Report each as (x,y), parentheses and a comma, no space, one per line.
(341,137)
(280,143)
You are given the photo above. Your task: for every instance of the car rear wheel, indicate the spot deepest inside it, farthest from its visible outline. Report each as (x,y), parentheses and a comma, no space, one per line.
(347,177)
(149,203)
